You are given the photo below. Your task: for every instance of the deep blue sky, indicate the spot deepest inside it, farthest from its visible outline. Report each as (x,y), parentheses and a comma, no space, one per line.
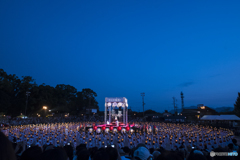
(122,48)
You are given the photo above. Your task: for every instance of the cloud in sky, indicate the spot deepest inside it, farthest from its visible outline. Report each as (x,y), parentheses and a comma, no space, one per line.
(186,84)
(215,75)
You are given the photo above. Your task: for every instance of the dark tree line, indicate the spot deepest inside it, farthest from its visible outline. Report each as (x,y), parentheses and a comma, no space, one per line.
(237,105)
(62,98)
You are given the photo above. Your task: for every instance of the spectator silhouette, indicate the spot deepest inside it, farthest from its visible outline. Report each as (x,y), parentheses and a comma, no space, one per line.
(196,155)
(32,153)
(69,151)
(54,154)
(84,154)
(6,148)
(101,155)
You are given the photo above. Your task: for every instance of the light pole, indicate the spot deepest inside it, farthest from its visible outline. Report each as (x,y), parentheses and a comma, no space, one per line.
(27,93)
(143,94)
(45,108)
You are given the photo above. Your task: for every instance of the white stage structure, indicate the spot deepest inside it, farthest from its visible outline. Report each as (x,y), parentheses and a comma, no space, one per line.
(221,117)
(110,104)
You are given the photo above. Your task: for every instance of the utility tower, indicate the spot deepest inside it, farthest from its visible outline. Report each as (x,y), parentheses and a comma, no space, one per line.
(182,100)
(143,94)
(174,105)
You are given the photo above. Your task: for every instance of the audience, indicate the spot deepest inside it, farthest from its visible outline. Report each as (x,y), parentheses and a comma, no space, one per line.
(155,154)
(69,150)
(82,153)
(32,153)
(54,154)
(101,155)
(235,146)
(6,148)
(142,153)
(17,151)
(196,155)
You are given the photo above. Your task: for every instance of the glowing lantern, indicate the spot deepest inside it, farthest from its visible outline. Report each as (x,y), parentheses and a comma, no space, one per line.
(111,128)
(103,128)
(107,130)
(98,130)
(114,130)
(123,130)
(119,128)
(95,128)
(127,128)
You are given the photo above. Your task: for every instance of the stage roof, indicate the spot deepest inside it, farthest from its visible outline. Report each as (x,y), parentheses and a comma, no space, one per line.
(221,117)
(116,99)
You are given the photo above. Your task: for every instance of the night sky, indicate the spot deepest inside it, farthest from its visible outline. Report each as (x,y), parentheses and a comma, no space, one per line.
(122,48)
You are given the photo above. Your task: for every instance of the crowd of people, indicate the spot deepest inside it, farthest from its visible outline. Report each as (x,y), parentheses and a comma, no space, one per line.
(145,141)
(40,120)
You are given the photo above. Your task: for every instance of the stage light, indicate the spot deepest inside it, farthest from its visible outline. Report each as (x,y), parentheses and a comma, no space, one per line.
(98,130)
(114,104)
(119,104)
(107,130)
(114,130)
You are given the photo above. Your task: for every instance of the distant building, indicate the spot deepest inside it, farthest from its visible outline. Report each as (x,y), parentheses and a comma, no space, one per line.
(175,119)
(201,110)
(155,117)
(204,110)
(91,109)
(190,114)
(166,114)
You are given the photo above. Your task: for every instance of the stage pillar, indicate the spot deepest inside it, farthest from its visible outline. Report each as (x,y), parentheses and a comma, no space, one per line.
(124,114)
(110,114)
(105,114)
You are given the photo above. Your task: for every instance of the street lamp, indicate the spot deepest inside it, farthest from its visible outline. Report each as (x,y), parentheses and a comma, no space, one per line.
(45,108)
(27,93)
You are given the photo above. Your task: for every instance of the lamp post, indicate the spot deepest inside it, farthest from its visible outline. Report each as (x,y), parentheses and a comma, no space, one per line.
(27,93)
(143,94)
(45,108)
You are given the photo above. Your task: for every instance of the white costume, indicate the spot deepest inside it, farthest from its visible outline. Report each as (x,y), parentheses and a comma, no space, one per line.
(117,123)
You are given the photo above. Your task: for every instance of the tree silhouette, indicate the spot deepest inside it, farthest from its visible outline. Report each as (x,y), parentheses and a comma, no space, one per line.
(60,99)
(237,105)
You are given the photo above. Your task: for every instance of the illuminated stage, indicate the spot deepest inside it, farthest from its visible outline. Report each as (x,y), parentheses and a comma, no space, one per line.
(111,128)
(114,126)
(116,110)
(115,116)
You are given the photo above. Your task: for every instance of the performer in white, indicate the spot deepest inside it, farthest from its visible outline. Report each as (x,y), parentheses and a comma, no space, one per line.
(117,123)
(107,122)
